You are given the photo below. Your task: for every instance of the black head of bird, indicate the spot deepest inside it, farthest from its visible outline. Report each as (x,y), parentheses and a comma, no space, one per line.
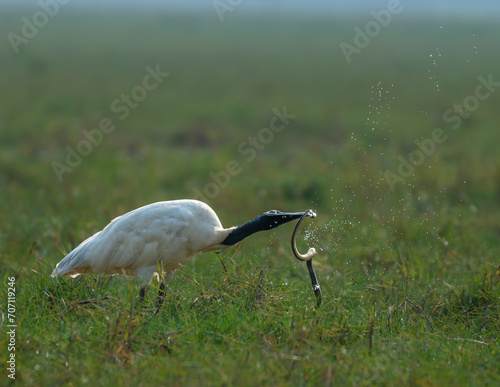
(266,221)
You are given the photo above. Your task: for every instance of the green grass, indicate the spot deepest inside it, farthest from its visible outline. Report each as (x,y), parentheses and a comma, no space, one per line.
(410,276)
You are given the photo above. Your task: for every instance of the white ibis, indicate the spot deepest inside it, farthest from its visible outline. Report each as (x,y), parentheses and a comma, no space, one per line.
(158,237)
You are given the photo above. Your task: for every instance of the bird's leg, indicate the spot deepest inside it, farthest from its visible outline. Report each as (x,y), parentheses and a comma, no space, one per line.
(142,293)
(144,277)
(161,296)
(158,302)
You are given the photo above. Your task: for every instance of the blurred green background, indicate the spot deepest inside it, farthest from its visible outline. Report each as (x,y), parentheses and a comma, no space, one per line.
(435,230)
(353,123)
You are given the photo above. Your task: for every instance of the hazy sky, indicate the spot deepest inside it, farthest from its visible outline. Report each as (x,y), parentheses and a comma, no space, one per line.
(461,7)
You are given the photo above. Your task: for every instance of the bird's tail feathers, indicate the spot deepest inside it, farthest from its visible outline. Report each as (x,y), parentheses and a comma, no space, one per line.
(72,261)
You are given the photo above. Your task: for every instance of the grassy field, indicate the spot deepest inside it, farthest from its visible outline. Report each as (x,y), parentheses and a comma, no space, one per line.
(409,266)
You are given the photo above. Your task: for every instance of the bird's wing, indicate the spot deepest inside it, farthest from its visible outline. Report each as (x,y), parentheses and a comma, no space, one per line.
(74,263)
(138,239)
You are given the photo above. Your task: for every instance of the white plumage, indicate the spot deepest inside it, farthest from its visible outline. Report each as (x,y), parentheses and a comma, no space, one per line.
(169,232)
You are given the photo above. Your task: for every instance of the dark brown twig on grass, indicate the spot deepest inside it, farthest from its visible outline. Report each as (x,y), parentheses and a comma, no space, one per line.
(223,264)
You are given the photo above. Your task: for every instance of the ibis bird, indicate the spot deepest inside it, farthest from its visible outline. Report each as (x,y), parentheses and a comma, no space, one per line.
(162,236)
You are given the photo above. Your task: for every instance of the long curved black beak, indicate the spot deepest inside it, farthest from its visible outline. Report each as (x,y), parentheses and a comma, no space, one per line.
(266,221)
(284,217)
